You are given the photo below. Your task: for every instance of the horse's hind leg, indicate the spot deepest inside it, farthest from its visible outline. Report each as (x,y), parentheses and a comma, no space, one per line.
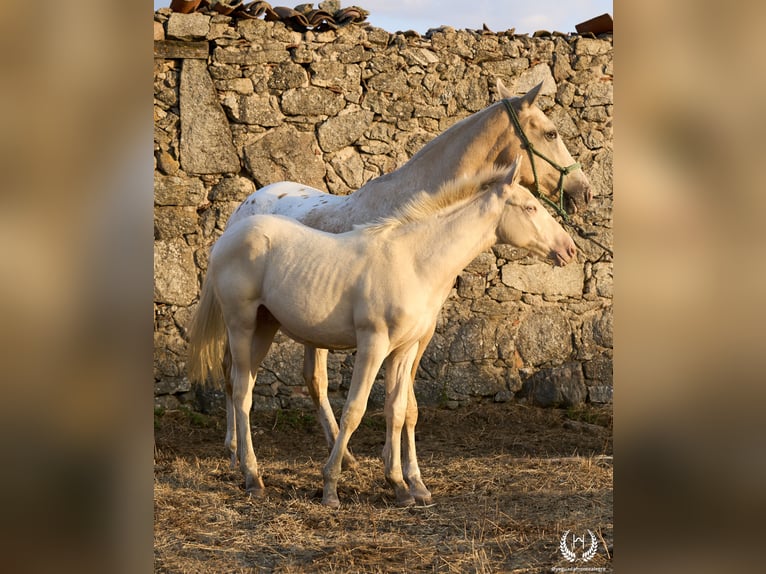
(315,377)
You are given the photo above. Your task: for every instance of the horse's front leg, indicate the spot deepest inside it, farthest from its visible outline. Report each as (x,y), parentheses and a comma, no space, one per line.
(372,348)
(315,377)
(398,383)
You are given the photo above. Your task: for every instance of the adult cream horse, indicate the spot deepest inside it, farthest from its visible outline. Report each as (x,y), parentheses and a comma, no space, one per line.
(495,135)
(378,288)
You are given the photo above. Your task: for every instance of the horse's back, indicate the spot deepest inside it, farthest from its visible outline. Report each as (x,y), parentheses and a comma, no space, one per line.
(287,198)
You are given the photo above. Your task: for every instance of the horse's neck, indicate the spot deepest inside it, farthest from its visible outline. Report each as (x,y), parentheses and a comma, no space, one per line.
(463,150)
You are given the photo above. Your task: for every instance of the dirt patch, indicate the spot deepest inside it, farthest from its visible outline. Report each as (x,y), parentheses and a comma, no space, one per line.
(507,482)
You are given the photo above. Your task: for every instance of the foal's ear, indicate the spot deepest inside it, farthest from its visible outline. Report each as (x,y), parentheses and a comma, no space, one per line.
(514,172)
(529,98)
(502,91)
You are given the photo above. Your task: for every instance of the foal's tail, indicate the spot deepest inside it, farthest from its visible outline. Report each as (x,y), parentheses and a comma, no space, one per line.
(207,339)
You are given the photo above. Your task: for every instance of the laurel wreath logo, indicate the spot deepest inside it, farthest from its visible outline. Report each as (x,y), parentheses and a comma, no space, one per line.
(570,556)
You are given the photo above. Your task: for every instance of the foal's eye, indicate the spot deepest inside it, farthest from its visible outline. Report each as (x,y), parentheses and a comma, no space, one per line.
(530,209)
(551,135)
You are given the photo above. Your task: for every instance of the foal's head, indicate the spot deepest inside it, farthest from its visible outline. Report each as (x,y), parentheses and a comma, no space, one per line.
(545,139)
(526,223)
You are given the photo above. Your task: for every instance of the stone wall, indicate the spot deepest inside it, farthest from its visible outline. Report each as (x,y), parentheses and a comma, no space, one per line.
(243,103)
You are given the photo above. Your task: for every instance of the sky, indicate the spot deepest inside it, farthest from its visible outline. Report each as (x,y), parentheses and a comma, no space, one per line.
(526,16)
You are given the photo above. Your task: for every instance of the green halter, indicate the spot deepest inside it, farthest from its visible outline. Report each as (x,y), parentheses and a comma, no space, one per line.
(559,207)
(532,152)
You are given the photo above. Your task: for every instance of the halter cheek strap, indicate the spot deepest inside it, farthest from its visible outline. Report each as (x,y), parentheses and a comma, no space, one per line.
(532,152)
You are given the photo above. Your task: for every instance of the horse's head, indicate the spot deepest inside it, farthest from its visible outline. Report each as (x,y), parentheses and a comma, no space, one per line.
(550,160)
(527,224)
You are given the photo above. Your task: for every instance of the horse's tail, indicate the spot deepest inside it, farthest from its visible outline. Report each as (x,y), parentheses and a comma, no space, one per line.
(207,339)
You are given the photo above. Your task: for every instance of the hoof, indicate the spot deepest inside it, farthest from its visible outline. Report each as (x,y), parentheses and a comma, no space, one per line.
(256,492)
(403,496)
(423,500)
(349,461)
(330,495)
(254,487)
(421,494)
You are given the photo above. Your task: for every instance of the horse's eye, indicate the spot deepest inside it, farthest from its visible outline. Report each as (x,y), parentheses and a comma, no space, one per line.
(551,135)
(530,209)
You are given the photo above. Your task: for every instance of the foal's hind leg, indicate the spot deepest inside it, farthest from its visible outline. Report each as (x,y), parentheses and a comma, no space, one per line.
(315,377)
(231,422)
(249,340)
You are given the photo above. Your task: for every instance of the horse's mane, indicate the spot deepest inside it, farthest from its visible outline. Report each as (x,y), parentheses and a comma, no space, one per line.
(450,194)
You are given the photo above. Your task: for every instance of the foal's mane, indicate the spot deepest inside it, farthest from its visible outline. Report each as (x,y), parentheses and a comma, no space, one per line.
(449,194)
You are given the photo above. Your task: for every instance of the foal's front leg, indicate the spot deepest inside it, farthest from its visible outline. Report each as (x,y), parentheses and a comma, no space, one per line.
(411,469)
(398,381)
(371,350)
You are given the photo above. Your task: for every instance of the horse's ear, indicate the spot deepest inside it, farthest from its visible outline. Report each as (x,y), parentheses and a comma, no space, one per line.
(514,172)
(529,98)
(502,91)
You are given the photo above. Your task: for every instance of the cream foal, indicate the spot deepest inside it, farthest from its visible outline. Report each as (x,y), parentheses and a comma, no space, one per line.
(378,288)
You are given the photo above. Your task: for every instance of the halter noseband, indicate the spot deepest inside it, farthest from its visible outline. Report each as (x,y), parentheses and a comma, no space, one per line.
(532,152)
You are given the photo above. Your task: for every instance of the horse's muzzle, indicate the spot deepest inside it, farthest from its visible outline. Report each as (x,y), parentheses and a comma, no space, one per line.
(578,199)
(564,255)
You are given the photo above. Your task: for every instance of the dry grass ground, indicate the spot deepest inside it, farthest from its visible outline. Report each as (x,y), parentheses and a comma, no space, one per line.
(507,481)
